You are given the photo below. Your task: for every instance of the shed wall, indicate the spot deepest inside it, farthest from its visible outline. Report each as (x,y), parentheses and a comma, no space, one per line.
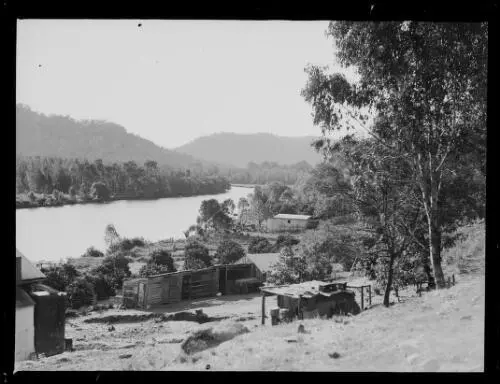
(25,332)
(274,224)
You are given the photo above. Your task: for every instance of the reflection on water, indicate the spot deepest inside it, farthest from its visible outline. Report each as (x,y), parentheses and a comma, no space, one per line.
(60,232)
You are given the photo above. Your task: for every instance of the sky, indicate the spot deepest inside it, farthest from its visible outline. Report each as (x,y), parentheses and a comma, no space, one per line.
(173,81)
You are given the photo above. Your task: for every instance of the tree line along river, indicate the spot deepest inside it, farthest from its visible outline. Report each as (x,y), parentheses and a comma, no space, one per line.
(56,233)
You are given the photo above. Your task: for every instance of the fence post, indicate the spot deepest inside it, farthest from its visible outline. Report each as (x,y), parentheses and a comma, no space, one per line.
(362,299)
(370,295)
(453,279)
(263,308)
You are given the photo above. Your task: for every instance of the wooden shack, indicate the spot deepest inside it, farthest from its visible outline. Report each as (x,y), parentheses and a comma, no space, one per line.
(237,278)
(169,288)
(312,298)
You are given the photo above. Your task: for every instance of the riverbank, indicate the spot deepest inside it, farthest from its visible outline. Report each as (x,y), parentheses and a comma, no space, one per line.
(39,200)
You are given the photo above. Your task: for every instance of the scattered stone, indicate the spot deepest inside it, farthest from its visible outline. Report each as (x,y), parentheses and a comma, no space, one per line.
(125,356)
(63,360)
(334,355)
(301,329)
(291,340)
(111,329)
(207,366)
(194,359)
(468,317)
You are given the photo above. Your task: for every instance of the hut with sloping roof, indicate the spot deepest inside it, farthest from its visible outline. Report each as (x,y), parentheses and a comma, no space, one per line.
(40,313)
(261,263)
(311,298)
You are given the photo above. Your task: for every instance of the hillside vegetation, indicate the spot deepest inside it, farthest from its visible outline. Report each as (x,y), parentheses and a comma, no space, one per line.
(399,338)
(62,136)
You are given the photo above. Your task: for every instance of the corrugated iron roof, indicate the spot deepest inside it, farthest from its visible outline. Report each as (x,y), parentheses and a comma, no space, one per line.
(263,261)
(291,217)
(28,271)
(306,289)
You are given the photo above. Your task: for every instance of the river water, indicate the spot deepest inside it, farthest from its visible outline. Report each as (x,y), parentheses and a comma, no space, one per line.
(56,233)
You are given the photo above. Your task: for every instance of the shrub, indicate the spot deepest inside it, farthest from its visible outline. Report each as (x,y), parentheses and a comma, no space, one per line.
(60,276)
(92,252)
(116,268)
(126,244)
(286,241)
(229,251)
(103,285)
(80,293)
(260,245)
(196,256)
(154,269)
(72,191)
(99,190)
(31,196)
(163,258)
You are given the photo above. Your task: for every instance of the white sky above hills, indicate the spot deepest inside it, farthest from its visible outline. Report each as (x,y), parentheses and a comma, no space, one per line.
(173,81)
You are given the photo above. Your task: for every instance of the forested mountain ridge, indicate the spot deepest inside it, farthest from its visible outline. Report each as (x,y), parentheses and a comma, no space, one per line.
(240,149)
(64,137)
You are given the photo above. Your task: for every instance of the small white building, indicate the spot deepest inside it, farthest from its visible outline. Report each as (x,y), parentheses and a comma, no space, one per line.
(26,274)
(287,222)
(25,327)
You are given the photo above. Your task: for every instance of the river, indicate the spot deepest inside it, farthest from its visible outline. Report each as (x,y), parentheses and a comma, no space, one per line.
(56,233)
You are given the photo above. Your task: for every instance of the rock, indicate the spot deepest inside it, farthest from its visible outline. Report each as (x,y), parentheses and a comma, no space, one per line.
(207,366)
(291,340)
(111,329)
(213,336)
(468,317)
(63,360)
(125,356)
(301,329)
(334,355)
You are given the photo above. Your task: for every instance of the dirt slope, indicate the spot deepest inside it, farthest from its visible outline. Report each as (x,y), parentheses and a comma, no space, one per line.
(440,331)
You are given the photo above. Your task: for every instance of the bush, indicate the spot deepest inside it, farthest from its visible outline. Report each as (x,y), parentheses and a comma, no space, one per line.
(260,245)
(286,241)
(80,293)
(93,252)
(163,258)
(103,285)
(31,196)
(126,244)
(115,268)
(312,224)
(99,190)
(154,269)
(229,251)
(196,256)
(60,276)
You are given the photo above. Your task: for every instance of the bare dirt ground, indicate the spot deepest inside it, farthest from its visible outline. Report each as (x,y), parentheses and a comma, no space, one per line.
(441,331)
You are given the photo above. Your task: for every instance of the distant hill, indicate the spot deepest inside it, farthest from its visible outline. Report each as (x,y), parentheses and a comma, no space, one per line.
(62,136)
(240,149)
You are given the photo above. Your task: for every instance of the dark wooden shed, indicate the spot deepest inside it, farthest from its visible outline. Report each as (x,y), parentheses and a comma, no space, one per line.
(312,298)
